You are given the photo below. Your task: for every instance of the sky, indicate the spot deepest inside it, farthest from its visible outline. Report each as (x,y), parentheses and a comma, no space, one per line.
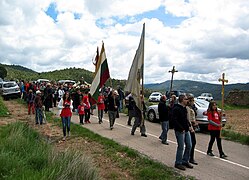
(201,38)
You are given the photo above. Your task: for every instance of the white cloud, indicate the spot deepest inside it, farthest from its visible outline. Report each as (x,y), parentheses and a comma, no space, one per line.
(212,38)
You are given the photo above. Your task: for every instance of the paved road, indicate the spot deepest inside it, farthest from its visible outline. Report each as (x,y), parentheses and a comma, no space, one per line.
(236,166)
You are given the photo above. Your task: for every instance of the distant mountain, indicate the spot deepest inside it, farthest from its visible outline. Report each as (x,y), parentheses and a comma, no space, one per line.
(196,87)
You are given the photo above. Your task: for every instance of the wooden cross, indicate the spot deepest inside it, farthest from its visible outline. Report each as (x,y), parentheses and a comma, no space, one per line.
(172,71)
(223,80)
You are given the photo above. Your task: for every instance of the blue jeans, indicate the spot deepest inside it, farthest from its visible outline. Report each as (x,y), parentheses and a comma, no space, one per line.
(165,128)
(66,124)
(38,115)
(183,138)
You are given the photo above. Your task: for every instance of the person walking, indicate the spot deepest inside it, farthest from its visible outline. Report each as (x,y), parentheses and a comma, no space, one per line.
(87,106)
(113,104)
(131,109)
(31,98)
(101,107)
(181,127)
(214,126)
(163,112)
(66,106)
(81,112)
(38,108)
(191,115)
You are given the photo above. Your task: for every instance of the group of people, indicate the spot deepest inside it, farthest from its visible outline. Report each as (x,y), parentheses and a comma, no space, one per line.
(183,116)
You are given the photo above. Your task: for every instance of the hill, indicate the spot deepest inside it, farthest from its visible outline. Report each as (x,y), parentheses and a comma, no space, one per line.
(196,87)
(16,72)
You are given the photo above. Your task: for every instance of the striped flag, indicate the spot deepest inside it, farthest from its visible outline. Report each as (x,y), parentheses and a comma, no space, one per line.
(102,75)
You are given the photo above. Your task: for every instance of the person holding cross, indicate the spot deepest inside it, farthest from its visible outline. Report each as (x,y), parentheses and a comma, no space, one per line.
(214,126)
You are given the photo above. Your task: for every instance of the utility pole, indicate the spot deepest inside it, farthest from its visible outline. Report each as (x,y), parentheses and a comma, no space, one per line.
(223,80)
(171,83)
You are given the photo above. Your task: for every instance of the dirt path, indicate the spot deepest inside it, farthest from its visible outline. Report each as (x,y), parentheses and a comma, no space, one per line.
(107,169)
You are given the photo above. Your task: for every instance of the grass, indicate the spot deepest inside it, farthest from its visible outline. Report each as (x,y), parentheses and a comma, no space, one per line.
(139,166)
(231,107)
(25,155)
(234,136)
(3,109)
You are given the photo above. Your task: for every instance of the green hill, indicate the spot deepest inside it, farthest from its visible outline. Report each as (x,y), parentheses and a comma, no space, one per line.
(196,87)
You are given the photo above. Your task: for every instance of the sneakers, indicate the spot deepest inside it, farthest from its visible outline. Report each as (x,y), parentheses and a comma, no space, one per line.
(144,135)
(210,153)
(181,167)
(111,127)
(64,138)
(187,165)
(223,156)
(69,134)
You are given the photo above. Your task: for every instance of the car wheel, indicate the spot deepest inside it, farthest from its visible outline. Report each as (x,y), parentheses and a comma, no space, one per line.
(151,116)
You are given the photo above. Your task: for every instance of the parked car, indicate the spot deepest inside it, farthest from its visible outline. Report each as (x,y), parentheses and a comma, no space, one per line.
(42,80)
(66,82)
(155,97)
(206,96)
(9,89)
(201,118)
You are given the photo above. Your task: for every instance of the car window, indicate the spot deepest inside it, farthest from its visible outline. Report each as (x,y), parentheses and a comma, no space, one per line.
(202,104)
(9,85)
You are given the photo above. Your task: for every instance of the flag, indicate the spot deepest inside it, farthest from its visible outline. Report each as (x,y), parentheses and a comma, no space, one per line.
(136,73)
(102,75)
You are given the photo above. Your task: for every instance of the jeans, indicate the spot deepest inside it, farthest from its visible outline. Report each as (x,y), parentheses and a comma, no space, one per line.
(183,138)
(66,124)
(38,115)
(112,117)
(165,128)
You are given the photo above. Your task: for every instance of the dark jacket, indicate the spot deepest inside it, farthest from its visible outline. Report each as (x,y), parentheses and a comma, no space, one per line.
(163,111)
(111,103)
(180,120)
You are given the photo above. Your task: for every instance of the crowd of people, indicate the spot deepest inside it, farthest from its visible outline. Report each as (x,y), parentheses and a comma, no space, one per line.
(181,113)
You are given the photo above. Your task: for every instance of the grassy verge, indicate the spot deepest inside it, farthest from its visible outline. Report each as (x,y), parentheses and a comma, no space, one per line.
(236,137)
(139,166)
(24,155)
(231,107)
(3,109)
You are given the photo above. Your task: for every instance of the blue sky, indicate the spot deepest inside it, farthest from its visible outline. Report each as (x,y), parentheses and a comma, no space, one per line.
(202,39)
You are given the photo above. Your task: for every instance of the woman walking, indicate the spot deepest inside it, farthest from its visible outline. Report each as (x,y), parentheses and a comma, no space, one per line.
(214,126)
(66,106)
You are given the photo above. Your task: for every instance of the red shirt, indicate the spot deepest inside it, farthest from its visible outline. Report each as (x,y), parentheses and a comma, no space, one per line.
(101,104)
(66,111)
(81,109)
(215,118)
(86,101)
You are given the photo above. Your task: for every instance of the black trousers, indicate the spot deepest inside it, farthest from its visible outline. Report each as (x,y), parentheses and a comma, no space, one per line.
(215,134)
(193,140)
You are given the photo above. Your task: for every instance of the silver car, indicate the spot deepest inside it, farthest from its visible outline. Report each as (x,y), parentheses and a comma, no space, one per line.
(9,89)
(201,118)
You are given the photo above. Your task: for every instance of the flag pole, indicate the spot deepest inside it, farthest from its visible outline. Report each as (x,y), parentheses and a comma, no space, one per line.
(142,93)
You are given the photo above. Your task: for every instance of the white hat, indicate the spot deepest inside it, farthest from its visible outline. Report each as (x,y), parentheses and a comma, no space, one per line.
(38,92)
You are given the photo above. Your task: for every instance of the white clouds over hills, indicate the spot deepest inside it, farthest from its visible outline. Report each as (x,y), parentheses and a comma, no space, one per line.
(201,38)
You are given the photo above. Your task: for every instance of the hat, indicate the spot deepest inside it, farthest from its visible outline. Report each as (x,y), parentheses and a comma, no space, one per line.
(48,84)
(116,92)
(38,92)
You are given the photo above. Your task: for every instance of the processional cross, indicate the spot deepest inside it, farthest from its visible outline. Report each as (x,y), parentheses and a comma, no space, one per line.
(172,71)
(223,80)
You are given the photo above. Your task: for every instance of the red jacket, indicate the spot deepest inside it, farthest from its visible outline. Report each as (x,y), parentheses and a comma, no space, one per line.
(66,111)
(86,101)
(215,118)
(81,109)
(101,104)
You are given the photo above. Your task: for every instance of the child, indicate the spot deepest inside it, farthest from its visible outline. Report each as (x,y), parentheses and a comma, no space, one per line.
(31,98)
(101,107)
(38,108)
(87,107)
(214,126)
(81,112)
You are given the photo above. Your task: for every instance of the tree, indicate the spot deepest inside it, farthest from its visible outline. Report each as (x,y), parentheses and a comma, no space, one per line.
(3,72)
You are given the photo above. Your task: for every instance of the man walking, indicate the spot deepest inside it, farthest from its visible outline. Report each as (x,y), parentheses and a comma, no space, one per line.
(163,111)
(181,127)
